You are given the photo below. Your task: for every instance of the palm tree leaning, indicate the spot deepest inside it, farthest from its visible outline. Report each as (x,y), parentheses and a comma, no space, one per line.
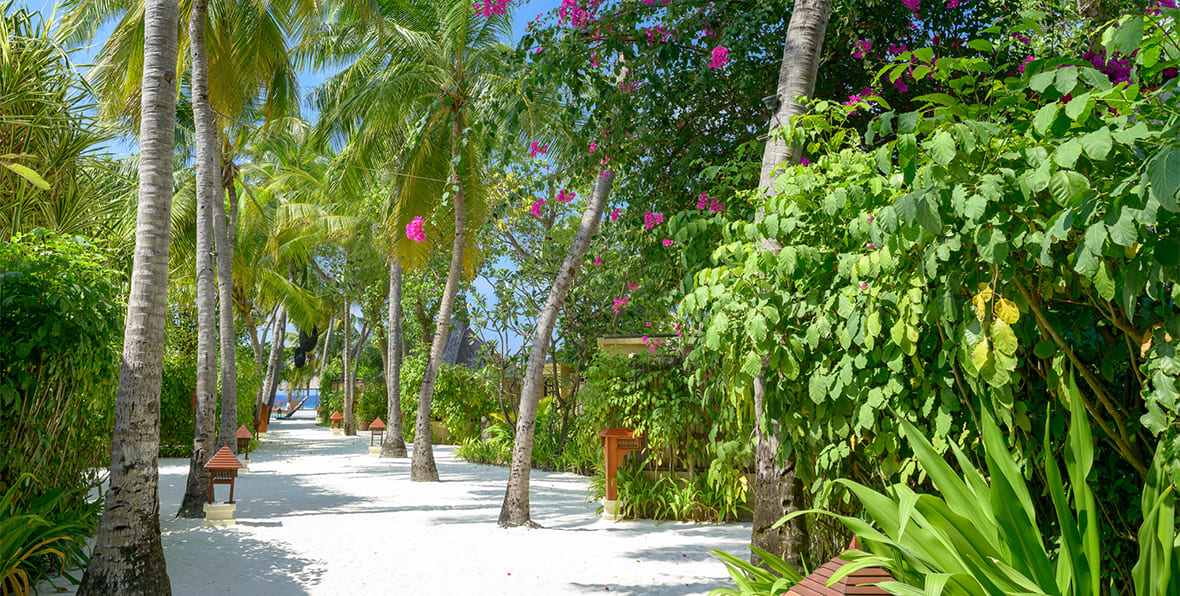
(515,509)
(437,61)
(128,557)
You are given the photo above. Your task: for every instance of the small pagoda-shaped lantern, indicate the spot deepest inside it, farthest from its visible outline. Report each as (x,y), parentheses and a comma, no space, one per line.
(223,469)
(377,428)
(244,437)
(337,419)
(862,582)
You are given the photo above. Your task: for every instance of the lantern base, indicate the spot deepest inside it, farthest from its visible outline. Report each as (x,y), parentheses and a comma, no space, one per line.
(375,451)
(245,466)
(337,432)
(610,509)
(219,515)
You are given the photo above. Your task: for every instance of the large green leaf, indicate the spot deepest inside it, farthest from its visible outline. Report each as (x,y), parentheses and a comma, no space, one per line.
(1164,172)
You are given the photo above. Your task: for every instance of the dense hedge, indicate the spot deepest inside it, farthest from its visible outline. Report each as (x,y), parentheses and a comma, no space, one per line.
(59,359)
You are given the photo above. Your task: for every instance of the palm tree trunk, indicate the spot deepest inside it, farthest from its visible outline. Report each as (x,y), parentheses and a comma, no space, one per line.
(346,364)
(319,369)
(196,491)
(515,509)
(128,557)
(777,488)
(225,285)
(422,467)
(394,444)
(273,366)
(796,77)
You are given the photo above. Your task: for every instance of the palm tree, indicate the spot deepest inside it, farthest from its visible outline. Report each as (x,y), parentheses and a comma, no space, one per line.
(250,60)
(432,64)
(515,509)
(50,171)
(128,557)
(778,489)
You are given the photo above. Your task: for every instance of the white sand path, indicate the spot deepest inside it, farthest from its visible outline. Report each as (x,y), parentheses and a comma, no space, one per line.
(317,515)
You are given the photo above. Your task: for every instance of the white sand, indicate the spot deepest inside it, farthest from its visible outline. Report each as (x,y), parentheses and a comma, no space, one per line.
(316,515)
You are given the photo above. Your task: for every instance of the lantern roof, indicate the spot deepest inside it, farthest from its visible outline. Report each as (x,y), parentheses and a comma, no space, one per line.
(377,424)
(224,460)
(337,416)
(244,433)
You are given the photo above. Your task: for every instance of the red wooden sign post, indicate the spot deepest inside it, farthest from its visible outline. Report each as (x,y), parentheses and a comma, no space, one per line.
(616,442)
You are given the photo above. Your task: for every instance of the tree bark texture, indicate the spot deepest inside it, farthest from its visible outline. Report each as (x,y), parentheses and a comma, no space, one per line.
(128,557)
(515,509)
(273,365)
(196,491)
(801,55)
(346,364)
(777,490)
(394,444)
(227,434)
(422,467)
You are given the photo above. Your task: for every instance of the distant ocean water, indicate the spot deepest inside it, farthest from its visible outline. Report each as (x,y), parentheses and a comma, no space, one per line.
(313,400)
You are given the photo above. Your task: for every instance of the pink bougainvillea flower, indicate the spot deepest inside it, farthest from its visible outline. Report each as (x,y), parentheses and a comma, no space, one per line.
(536,208)
(536,149)
(894,50)
(719,57)
(651,220)
(803,161)
(604,161)
(870,218)
(862,48)
(649,323)
(864,285)
(487,8)
(952,4)
(901,86)
(597,260)
(1025,63)
(564,197)
(632,285)
(615,215)
(913,5)
(620,303)
(414,230)
(667,242)
(593,146)
(703,200)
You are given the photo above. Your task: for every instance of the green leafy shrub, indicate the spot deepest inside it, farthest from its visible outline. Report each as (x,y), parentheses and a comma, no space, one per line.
(176,405)
(59,359)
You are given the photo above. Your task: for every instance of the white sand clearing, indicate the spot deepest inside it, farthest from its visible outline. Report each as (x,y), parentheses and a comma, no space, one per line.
(317,515)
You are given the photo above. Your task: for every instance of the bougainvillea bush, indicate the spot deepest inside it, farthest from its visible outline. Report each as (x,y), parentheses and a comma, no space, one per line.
(957,257)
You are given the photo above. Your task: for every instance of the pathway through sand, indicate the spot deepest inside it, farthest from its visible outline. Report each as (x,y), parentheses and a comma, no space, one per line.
(317,515)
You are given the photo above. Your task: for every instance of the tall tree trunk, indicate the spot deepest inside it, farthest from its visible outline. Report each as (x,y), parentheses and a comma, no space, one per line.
(273,366)
(422,467)
(394,444)
(346,364)
(319,368)
(796,77)
(128,557)
(225,284)
(196,491)
(777,488)
(515,509)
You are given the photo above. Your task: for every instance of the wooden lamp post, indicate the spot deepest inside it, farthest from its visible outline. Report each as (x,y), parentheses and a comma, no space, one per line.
(377,428)
(244,436)
(336,418)
(223,469)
